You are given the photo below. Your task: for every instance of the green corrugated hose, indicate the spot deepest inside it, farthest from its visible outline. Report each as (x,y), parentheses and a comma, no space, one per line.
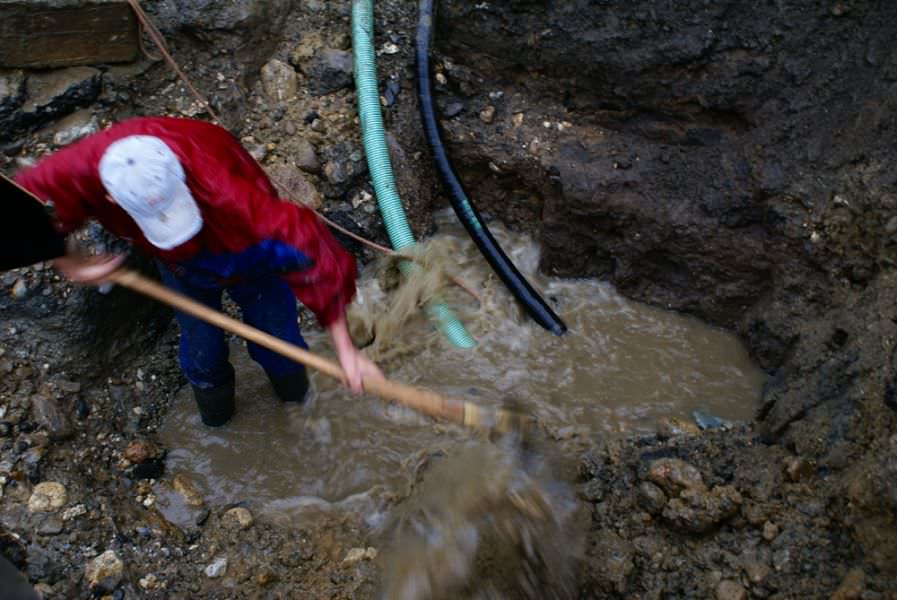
(380,167)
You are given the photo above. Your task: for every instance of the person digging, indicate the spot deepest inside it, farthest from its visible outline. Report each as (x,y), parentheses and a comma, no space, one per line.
(187,193)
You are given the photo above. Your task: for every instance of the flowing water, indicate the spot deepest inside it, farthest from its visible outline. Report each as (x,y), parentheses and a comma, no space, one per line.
(622,366)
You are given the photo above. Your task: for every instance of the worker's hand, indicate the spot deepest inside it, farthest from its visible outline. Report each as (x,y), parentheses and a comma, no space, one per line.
(88,269)
(356,365)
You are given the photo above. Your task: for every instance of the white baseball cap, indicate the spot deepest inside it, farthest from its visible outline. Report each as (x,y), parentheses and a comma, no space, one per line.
(145,178)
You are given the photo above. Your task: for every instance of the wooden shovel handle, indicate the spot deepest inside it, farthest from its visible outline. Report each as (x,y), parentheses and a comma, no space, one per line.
(422,400)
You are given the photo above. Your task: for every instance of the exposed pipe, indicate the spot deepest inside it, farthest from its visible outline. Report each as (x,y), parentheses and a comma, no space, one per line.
(379,165)
(534,304)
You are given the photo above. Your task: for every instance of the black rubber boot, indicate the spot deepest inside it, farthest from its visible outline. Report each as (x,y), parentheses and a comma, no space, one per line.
(292,387)
(216,405)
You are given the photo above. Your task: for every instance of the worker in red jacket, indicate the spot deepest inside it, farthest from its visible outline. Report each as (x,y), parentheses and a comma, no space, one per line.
(187,193)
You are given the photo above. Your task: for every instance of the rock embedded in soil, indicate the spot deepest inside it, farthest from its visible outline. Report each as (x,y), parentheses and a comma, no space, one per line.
(52,525)
(651,498)
(294,186)
(237,518)
(104,572)
(671,426)
(140,451)
(50,416)
(73,512)
(305,156)
(265,577)
(756,571)
(47,496)
(217,568)
(279,81)
(798,468)
(730,590)
(359,554)
(674,475)
(330,70)
(187,489)
(699,511)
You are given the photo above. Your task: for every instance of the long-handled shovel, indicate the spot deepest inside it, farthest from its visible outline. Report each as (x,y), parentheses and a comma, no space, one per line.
(425,401)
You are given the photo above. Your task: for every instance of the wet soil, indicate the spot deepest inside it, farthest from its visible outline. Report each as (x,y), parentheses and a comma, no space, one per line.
(742,162)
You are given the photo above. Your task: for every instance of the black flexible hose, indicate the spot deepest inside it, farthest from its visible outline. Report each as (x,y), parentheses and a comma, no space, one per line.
(535,306)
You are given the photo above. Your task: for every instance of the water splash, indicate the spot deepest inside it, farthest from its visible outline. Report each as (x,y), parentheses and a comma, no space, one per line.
(488,521)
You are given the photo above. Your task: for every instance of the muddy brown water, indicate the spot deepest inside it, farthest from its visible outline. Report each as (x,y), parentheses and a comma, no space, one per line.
(621,367)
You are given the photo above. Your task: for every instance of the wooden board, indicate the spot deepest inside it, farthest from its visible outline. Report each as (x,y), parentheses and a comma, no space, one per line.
(64,33)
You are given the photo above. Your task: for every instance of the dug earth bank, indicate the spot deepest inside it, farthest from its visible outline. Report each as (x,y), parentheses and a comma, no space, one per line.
(725,160)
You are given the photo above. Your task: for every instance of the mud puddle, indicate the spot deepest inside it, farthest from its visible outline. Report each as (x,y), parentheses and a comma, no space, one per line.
(621,367)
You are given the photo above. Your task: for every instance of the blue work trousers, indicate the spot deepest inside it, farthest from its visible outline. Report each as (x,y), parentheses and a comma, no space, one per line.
(267,304)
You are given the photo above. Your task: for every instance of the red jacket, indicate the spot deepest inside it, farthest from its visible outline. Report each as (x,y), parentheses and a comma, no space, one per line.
(239,205)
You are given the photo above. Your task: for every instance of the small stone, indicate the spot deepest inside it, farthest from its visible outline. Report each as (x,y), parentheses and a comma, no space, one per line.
(329,71)
(237,518)
(185,488)
(47,496)
(69,387)
(52,525)
(770,531)
(781,559)
(389,48)
(289,128)
(797,468)
(358,554)
(19,289)
(441,79)
(265,577)
(335,172)
(852,586)
(651,497)
(730,590)
(305,157)
(756,571)
(218,568)
(73,512)
(452,109)
(259,152)
(669,427)
(673,475)
(535,146)
(891,226)
(74,127)
(487,115)
(703,419)
(294,185)
(279,80)
(140,451)
(307,47)
(48,415)
(105,571)
(517,119)
(149,582)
